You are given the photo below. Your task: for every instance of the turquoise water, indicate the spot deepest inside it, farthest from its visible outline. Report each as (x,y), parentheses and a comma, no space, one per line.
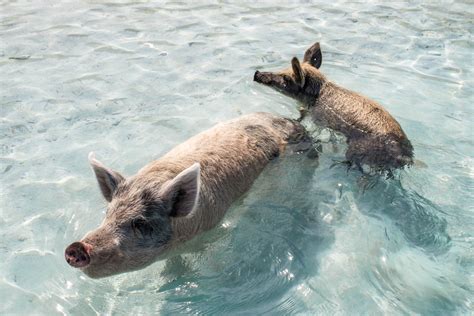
(131,80)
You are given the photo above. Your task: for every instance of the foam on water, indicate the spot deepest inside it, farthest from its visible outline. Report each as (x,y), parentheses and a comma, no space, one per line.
(131,80)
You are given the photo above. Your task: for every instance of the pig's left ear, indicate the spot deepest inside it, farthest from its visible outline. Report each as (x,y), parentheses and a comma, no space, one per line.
(183,191)
(108,179)
(298,71)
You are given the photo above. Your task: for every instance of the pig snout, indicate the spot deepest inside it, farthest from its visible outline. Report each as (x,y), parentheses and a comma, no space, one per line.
(268,78)
(255,76)
(77,254)
(260,77)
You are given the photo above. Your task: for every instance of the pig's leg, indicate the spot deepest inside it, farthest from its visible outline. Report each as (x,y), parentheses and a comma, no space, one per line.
(304,143)
(367,182)
(346,163)
(174,267)
(303,111)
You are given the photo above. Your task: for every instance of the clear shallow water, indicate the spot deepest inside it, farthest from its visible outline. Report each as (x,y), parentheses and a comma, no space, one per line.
(131,80)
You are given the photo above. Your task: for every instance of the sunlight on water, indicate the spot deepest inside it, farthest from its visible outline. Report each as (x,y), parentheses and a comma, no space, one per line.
(131,80)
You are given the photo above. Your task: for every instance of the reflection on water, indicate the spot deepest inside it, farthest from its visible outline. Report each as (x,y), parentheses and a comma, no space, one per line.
(131,80)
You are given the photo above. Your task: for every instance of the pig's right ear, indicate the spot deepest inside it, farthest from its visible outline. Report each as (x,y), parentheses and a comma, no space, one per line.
(108,179)
(313,55)
(182,193)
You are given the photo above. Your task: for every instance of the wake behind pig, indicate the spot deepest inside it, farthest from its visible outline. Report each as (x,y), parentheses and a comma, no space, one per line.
(182,194)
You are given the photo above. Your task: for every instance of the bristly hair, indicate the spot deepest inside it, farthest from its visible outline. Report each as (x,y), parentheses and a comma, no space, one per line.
(152,204)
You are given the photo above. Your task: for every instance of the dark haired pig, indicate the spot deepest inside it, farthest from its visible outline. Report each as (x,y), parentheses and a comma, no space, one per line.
(180,195)
(374,137)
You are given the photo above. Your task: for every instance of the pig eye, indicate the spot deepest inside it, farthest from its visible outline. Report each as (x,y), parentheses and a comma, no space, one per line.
(141,227)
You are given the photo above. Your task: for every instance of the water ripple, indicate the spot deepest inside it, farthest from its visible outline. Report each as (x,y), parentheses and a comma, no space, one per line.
(121,77)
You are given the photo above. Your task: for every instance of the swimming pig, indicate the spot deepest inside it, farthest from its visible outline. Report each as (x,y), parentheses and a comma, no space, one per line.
(184,193)
(374,137)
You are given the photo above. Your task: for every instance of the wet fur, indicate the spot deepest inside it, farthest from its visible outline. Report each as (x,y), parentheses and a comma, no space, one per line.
(374,137)
(231,156)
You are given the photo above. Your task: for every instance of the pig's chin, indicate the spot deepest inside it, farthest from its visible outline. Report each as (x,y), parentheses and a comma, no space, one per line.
(97,273)
(102,272)
(282,89)
(97,270)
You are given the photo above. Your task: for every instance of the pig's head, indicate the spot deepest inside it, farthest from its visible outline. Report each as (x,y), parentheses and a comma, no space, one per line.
(301,81)
(137,228)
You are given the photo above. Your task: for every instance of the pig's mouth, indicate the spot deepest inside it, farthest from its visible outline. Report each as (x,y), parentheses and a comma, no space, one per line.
(268,78)
(276,81)
(108,266)
(99,263)
(77,254)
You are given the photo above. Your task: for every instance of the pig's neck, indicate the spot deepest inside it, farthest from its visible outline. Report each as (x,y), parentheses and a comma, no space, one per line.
(185,228)
(330,94)
(204,217)
(215,199)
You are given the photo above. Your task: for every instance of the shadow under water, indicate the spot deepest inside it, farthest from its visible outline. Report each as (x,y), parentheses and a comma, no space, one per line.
(419,219)
(253,267)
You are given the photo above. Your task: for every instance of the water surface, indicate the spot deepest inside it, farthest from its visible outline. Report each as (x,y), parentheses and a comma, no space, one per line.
(130,80)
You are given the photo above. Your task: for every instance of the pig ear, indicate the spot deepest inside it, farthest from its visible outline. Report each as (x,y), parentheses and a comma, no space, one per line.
(298,71)
(313,56)
(183,191)
(108,179)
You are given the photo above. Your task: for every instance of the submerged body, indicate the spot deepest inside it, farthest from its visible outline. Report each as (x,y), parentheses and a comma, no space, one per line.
(180,195)
(374,137)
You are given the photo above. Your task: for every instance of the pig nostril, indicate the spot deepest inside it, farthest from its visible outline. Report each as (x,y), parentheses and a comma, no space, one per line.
(77,254)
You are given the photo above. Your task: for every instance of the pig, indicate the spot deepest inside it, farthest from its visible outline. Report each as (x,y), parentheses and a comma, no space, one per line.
(182,194)
(373,136)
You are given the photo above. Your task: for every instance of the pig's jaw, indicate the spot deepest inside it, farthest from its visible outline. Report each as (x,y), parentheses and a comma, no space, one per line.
(102,273)
(106,267)
(97,273)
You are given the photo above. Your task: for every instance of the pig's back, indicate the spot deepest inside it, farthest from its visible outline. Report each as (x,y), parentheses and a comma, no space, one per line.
(232,155)
(354,114)
(260,132)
